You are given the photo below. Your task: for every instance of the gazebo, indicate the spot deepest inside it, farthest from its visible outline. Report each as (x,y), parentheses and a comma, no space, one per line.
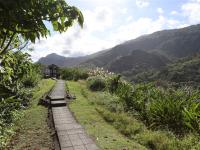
(52,71)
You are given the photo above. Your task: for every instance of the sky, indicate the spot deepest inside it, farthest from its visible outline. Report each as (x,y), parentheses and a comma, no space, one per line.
(111,22)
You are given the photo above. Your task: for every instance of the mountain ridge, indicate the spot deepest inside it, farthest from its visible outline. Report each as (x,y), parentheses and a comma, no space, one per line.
(144,52)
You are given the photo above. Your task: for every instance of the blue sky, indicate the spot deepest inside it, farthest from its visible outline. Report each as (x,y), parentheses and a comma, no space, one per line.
(111,22)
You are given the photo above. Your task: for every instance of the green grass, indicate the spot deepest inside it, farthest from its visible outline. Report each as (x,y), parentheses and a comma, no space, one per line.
(117,130)
(105,135)
(32,129)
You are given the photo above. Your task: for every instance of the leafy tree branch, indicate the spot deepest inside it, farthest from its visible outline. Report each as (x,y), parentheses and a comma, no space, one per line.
(26,18)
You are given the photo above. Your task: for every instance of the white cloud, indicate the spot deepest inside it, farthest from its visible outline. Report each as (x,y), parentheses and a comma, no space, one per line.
(104,27)
(142,26)
(98,19)
(173,12)
(142,3)
(195,1)
(77,41)
(123,10)
(191,11)
(129,18)
(160,10)
(69,44)
(100,3)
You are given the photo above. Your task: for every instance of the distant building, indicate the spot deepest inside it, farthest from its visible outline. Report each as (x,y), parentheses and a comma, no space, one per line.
(51,71)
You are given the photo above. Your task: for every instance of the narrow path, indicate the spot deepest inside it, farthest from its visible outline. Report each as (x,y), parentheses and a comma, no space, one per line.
(71,135)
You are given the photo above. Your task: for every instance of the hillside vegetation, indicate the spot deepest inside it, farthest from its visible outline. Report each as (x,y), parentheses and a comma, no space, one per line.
(137,62)
(181,72)
(19,90)
(84,109)
(152,115)
(31,130)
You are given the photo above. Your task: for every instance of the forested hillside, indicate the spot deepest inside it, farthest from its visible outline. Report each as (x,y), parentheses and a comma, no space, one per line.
(184,71)
(172,44)
(137,62)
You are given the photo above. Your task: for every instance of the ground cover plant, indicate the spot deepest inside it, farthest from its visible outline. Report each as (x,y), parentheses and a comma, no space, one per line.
(89,104)
(159,107)
(18,76)
(154,115)
(32,124)
(104,134)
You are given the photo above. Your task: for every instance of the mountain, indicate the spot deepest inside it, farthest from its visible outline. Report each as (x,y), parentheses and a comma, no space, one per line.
(175,43)
(160,47)
(184,71)
(152,51)
(136,61)
(62,61)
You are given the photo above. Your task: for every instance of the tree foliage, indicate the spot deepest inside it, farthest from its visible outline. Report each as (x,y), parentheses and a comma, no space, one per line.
(25,19)
(73,74)
(22,21)
(15,68)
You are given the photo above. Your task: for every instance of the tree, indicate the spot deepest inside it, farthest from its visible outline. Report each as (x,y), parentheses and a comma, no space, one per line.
(23,20)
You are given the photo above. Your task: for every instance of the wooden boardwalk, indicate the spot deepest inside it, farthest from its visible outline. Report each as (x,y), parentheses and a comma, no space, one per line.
(71,135)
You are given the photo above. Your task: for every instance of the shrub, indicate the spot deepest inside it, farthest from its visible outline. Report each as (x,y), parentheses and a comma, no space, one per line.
(67,74)
(158,105)
(191,117)
(125,93)
(16,73)
(167,114)
(31,80)
(74,74)
(96,83)
(6,108)
(113,83)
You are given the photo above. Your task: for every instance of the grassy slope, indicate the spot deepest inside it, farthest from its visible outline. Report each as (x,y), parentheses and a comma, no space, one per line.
(106,136)
(32,129)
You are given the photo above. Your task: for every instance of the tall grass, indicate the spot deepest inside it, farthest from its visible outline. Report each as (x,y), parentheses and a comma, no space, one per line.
(177,110)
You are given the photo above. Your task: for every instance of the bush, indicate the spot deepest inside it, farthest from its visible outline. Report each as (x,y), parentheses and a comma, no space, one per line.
(34,76)
(6,107)
(191,117)
(16,73)
(74,74)
(31,80)
(167,114)
(113,83)
(158,105)
(125,93)
(96,83)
